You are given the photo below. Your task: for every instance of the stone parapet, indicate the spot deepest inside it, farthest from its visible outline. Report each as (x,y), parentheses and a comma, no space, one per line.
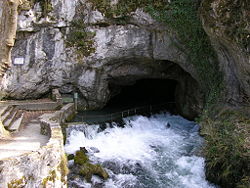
(46,167)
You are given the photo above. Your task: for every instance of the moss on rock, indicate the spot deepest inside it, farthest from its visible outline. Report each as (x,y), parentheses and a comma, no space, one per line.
(80,158)
(229,19)
(45,5)
(81,39)
(87,169)
(51,177)
(123,8)
(63,168)
(71,157)
(18,183)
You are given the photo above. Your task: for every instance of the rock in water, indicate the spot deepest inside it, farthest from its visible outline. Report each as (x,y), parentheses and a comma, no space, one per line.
(168,125)
(80,158)
(86,169)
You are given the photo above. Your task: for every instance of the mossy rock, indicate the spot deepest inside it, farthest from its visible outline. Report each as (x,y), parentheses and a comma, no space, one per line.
(17,183)
(71,157)
(86,169)
(80,157)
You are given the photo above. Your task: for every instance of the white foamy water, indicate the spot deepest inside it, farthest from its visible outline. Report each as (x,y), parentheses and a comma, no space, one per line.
(145,153)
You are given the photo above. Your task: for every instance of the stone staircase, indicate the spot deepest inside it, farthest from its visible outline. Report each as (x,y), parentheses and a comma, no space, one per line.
(11,117)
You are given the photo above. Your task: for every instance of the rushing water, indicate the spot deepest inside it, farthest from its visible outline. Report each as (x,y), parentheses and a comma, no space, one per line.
(144,153)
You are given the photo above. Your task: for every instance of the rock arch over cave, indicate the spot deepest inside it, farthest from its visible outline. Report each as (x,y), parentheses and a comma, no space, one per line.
(162,82)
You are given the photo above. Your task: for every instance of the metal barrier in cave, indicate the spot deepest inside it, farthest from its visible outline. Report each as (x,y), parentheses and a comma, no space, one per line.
(117,116)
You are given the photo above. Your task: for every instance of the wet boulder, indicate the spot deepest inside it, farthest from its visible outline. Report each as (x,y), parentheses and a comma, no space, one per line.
(87,169)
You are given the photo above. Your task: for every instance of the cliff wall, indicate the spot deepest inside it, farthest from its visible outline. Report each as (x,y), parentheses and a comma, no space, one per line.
(73,46)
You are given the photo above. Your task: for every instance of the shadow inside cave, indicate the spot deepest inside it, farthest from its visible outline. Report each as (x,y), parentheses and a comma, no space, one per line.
(143,92)
(143,97)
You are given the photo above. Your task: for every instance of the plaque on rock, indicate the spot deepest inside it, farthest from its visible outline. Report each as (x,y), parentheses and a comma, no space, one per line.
(19,61)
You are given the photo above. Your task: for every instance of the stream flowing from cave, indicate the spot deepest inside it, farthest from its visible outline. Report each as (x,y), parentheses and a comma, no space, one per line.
(142,153)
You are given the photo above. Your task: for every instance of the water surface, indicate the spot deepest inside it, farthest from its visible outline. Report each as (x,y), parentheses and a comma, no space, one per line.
(143,153)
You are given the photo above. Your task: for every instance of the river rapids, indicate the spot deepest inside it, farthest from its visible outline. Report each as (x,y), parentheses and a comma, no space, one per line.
(143,152)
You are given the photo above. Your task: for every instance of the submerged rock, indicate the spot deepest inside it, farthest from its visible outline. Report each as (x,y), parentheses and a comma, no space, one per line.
(168,125)
(94,150)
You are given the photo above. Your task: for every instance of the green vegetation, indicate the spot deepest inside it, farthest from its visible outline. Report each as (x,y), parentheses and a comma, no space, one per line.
(86,169)
(227,148)
(81,39)
(45,5)
(123,8)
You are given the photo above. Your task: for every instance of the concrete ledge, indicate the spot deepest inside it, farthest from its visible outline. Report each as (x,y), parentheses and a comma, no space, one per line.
(40,106)
(46,167)
(36,105)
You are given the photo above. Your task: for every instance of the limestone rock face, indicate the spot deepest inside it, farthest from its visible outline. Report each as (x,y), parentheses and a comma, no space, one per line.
(123,53)
(228,25)
(8,26)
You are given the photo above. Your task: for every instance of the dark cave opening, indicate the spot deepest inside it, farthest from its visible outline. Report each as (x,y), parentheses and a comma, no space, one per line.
(147,96)
(144,92)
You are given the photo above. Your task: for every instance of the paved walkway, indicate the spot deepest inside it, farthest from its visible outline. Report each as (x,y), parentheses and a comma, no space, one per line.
(26,140)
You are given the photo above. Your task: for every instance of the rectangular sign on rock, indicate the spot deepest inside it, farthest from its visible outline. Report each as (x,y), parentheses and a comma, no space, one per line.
(19,61)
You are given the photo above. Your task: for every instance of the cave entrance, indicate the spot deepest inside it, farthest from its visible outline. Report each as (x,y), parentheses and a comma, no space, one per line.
(130,86)
(145,92)
(141,97)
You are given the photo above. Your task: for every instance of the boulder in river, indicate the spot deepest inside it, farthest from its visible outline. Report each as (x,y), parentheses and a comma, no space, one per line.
(87,169)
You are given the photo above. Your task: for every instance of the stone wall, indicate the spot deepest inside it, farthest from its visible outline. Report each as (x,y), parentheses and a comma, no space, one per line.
(58,117)
(46,167)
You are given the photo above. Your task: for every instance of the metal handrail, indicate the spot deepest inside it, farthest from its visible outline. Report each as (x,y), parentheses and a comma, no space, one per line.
(124,113)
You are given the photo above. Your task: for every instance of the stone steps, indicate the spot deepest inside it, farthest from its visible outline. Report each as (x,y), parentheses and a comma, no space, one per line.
(7,122)
(11,117)
(3,110)
(6,113)
(15,125)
